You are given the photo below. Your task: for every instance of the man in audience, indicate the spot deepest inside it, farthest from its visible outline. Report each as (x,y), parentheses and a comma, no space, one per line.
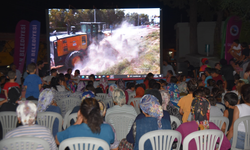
(227,72)
(166,67)
(47,79)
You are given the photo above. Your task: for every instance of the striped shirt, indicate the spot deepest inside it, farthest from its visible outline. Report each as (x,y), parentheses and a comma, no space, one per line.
(35,131)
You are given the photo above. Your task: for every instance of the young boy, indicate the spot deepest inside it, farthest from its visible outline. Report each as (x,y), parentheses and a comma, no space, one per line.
(95,83)
(76,77)
(214,111)
(47,79)
(11,83)
(32,83)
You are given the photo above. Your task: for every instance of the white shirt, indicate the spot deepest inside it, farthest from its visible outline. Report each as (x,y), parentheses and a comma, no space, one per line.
(18,77)
(48,79)
(124,109)
(60,88)
(238,48)
(244,110)
(96,84)
(78,79)
(166,68)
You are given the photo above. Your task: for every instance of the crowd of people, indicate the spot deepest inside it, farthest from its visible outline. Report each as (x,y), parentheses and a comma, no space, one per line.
(190,98)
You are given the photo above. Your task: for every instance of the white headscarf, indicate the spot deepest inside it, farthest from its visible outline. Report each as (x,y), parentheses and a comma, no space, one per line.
(27,112)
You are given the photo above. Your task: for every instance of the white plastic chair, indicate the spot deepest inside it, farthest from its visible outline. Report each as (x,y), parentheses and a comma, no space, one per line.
(246,121)
(161,139)
(47,119)
(219,121)
(27,143)
(102,95)
(8,119)
(34,101)
(109,102)
(122,123)
(71,116)
(131,95)
(67,103)
(65,119)
(176,120)
(204,139)
(87,143)
(135,102)
(222,108)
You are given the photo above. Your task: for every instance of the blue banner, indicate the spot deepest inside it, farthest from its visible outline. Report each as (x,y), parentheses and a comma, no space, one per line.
(33,46)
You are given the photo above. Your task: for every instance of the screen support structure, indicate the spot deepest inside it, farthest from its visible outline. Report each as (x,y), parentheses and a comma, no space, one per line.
(47,36)
(161,41)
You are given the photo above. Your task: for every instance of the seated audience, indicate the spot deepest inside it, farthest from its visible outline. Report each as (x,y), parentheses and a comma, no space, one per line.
(203,78)
(163,83)
(217,94)
(76,77)
(200,109)
(208,76)
(148,77)
(95,83)
(104,84)
(191,73)
(26,114)
(70,84)
(120,105)
(54,85)
(46,103)
(173,91)
(89,124)
(157,86)
(11,76)
(156,93)
(152,118)
(240,110)
(200,83)
(183,85)
(239,84)
(214,111)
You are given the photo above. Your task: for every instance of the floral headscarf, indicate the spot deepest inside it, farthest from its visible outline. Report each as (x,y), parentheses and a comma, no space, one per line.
(174,93)
(121,84)
(104,84)
(119,97)
(27,111)
(88,94)
(165,99)
(139,92)
(112,87)
(45,99)
(150,105)
(80,87)
(200,112)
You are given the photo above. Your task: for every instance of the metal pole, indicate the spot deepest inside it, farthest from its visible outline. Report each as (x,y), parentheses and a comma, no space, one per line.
(94,15)
(138,19)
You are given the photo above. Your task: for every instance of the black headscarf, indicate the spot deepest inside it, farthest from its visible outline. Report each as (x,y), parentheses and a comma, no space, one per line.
(13,95)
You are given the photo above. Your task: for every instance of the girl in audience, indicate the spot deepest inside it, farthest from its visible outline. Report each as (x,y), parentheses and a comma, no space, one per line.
(120,105)
(220,85)
(208,76)
(163,84)
(236,79)
(62,81)
(240,110)
(104,84)
(139,92)
(200,110)
(54,84)
(203,78)
(239,84)
(182,85)
(152,118)
(214,110)
(47,104)
(173,91)
(26,114)
(89,124)
(185,102)
(148,77)
(130,87)
(217,94)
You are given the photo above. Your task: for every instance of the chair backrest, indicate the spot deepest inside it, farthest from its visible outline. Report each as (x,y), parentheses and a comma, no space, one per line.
(102,95)
(222,108)
(67,103)
(246,122)
(122,123)
(34,101)
(135,102)
(176,120)
(109,102)
(8,119)
(27,143)
(219,121)
(71,116)
(204,139)
(87,143)
(47,119)
(65,119)
(161,139)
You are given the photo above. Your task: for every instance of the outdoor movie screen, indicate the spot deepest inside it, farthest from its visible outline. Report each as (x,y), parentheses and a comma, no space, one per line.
(105,41)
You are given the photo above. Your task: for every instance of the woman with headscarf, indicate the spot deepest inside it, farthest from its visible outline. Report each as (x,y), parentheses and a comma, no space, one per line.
(200,112)
(151,118)
(121,85)
(173,91)
(104,84)
(120,105)
(112,88)
(26,114)
(46,103)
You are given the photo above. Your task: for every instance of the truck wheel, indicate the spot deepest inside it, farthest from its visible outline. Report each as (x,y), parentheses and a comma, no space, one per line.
(72,59)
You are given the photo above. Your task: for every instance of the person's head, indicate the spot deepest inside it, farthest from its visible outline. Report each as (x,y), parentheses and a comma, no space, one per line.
(211,82)
(90,111)
(230,99)
(203,77)
(92,77)
(67,77)
(200,83)
(208,71)
(45,100)
(199,93)
(207,91)
(191,85)
(131,86)
(112,88)
(26,112)
(53,72)
(214,72)
(40,64)
(13,67)
(11,75)
(236,42)
(217,93)
(173,79)
(151,107)
(239,85)
(165,62)
(187,62)
(149,76)
(217,66)
(183,78)
(2,79)
(103,108)
(157,86)
(119,97)
(245,93)
(236,78)
(31,68)
(88,94)
(140,85)
(90,82)
(61,78)
(163,82)
(212,100)
(90,87)
(151,83)
(139,92)
(54,82)
(14,94)
(69,71)
(170,73)
(204,61)
(77,72)
(223,62)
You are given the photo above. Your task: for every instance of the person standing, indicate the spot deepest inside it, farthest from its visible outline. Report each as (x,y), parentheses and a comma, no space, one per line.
(227,72)
(18,74)
(166,67)
(191,70)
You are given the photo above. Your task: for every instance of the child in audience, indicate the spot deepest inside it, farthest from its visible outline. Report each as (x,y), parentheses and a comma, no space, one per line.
(76,77)
(221,86)
(69,71)
(239,84)
(70,85)
(169,75)
(211,84)
(95,83)
(217,94)
(200,83)
(203,78)
(236,79)
(163,84)
(204,64)
(185,102)
(32,83)
(214,111)
(216,76)
(11,83)
(182,85)
(207,73)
